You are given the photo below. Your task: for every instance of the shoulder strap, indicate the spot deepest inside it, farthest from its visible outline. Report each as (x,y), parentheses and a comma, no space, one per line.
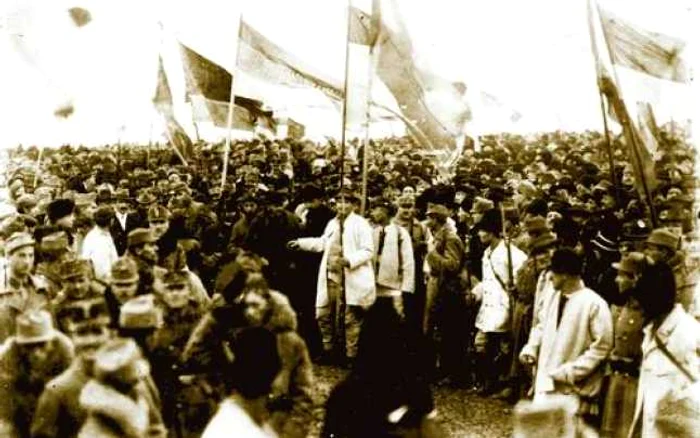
(672,358)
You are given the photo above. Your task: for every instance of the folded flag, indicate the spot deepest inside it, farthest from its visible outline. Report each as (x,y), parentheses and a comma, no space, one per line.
(163,101)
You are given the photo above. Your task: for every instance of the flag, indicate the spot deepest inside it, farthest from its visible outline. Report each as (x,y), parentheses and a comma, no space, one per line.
(260,57)
(163,101)
(213,83)
(639,152)
(363,30)
(648,128)
(652,53)
(434,106)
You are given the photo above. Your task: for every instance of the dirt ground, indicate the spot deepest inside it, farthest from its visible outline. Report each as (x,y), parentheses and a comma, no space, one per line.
(461,413)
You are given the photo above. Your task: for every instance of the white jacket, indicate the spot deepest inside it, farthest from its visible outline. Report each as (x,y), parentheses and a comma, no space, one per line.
(358,249)
(395,265)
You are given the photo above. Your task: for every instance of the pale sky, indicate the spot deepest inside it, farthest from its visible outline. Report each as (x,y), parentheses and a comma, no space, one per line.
(534,56)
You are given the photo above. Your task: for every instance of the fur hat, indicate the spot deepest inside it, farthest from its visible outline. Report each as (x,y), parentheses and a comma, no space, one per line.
(59,209)
(490,222)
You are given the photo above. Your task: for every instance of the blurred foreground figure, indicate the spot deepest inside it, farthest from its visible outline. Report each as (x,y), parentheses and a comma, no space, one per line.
(386,394)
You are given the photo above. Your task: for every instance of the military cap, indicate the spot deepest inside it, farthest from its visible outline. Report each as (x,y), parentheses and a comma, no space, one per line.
(55,241)
(140,313)
(124,271)
(17,241)
(664,237)
(632,263)
(72,268)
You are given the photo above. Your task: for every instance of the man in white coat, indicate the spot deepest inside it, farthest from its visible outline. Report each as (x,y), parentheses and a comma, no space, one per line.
(500,264)
(571,340)
(350,259)
(393,258)
(98,245)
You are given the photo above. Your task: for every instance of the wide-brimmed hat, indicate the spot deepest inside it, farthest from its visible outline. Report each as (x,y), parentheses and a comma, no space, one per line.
(17,241)
(664,237)
(140,236)
(632,263)
(34,327)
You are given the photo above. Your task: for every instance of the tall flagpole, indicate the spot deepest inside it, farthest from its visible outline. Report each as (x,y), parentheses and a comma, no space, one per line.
(231,106)
(368,117)
(343,299)
(608,147)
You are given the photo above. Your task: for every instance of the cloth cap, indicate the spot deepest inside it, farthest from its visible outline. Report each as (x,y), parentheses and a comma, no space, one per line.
(632,263)
(437,209)
(140,236)
(54,241)
(124,271)
(72,268)
(664,237)
(140,313)
(34,327)
(17,241)
(59,209)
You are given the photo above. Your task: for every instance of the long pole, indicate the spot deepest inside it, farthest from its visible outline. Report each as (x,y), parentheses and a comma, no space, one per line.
(343,299)
(608,147)
(368,117)
(231,106)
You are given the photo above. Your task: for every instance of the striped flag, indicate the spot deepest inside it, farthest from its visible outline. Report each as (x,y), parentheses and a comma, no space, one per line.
(209,89)
(163,101)
(652,53)
(260,57)
(435,106)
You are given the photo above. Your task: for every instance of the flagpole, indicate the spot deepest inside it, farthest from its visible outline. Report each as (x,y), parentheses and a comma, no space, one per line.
(231,106)
(608,147)
(368,117)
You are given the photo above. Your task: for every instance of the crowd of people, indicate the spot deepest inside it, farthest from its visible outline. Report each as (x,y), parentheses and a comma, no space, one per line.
(141,296)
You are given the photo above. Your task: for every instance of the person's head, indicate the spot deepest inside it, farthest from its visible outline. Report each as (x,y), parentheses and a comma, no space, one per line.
(256,363)
(406,207)
(489,227)
(655,291)
(479,207)
(61,212)
(122,201)
(158,220)
(142,244)
(542,249)
(629,269)
(19,248)
(248,206)
(382,212)
(437,215)
(254,301)
(566,268)
(408,190)
(346,203)
(34,337)
(120,365)
(662,245)
(76,275)
(124,279)
(173,289)
(103,216)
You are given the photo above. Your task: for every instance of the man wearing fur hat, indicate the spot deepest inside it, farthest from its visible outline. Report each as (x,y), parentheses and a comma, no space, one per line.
(28,360)
(117,401)
(571,339)
(20,291)
(501,263)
